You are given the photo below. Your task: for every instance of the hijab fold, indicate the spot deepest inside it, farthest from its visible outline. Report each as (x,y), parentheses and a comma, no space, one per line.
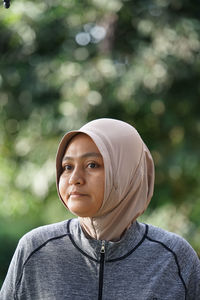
(129,176)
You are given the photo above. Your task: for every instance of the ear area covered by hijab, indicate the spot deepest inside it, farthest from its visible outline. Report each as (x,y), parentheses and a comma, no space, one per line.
(129,176)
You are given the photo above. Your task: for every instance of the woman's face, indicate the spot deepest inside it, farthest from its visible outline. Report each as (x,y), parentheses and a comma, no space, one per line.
(81,183)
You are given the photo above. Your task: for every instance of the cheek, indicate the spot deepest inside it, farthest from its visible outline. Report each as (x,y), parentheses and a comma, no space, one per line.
(62,185)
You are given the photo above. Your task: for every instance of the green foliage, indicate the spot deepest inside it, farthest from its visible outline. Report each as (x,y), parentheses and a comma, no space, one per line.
(65,62)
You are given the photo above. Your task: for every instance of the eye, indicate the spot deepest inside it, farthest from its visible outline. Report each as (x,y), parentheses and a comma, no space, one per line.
(67,167)
(93,165)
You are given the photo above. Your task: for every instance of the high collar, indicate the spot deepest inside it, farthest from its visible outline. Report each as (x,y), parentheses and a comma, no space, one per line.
(113,250)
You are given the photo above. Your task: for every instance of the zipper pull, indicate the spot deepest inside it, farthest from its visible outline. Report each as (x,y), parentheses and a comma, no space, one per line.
(103,247)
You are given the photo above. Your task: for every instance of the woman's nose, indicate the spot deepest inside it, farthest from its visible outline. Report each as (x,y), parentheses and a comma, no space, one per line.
(76,177)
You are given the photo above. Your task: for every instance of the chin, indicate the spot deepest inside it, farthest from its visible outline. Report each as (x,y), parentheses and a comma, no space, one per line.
(81,214)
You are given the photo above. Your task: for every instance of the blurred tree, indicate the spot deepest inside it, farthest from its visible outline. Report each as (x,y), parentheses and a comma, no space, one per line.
(65,62)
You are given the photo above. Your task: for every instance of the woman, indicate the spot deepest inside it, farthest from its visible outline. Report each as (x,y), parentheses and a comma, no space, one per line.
(105,176)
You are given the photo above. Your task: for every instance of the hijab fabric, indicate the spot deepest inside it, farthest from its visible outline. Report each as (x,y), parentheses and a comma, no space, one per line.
(129,176)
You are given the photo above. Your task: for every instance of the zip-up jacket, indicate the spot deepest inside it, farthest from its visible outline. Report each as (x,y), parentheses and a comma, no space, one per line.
(58,262)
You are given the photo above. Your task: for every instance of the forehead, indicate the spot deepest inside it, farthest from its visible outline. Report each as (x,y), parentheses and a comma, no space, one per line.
(81,143)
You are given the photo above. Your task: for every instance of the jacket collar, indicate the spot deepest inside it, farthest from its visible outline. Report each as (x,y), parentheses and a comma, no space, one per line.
(91,248)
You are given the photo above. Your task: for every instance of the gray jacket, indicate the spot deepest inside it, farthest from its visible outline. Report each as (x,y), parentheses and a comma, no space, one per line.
(57,262)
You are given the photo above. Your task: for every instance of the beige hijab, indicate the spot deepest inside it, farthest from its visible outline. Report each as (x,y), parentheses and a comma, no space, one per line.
(129,176)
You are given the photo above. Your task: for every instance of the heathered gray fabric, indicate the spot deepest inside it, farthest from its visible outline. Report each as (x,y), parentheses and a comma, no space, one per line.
(51,264)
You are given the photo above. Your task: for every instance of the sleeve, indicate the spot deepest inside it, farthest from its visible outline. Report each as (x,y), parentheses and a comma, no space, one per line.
(189,266)
(193,288)
(8,289)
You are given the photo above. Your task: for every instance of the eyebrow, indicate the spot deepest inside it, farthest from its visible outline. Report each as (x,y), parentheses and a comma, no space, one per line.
(85,155)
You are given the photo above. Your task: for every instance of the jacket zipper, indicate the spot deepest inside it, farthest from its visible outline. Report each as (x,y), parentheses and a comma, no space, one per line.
(101,269)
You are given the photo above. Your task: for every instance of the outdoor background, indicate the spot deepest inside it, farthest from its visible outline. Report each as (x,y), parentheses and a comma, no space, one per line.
(63,63)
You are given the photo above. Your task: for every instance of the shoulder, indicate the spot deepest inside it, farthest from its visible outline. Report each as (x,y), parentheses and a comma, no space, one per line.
(174,250)
(40,236)
(172,242)
(29,244)
(169,239)
(43,233)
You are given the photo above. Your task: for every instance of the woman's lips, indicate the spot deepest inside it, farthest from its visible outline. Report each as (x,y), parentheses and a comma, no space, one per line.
(76,194)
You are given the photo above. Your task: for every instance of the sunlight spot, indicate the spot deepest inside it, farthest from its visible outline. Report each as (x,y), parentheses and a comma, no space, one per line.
(83,38)
(94,98)
(157,107)
(176,134)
